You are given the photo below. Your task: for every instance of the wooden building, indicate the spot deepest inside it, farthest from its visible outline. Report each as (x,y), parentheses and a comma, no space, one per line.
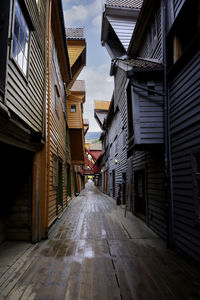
(134,131)
(58,76)
(75,102)
(155,105)
(183,73)
(101,109)
(22,132)
(76,44)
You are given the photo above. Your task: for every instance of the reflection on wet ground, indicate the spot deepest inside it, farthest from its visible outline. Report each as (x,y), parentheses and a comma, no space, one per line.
(96,253)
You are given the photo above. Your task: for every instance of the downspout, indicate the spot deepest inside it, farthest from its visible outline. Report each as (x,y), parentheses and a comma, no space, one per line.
(48,110)
(168,173)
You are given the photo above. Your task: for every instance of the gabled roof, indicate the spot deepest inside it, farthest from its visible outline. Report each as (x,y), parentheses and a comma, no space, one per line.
(118,23)
(125,3)
(139,63)
(101,105)
(100,111)
(77,51)
(75,33)
(78,86)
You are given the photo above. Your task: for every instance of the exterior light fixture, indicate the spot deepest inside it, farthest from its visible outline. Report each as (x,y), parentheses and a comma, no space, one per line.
(116,161)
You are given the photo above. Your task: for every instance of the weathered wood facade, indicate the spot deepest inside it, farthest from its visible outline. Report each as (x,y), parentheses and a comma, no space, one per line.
(184,122)
(22,86)
(75,99)
(136,132)
(156,107)
(58,77)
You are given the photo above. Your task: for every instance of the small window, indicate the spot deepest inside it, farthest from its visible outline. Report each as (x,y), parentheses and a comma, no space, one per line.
(56,61)
(73,108)
(21,39)
(55,161)
(153,34)
(177,49)
(57,100)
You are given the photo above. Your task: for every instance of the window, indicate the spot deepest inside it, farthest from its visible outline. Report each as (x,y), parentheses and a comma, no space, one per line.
(21,38)
(153,34)
(56,100)
(73,108)
(56,62)
(177,49)
(55,170)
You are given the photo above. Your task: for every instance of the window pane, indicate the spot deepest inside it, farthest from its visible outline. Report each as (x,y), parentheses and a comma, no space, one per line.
(21,34)
(15,46)
(20,58)
(20,39)
(17,10)
(26,42)
(25,66)
(16,27)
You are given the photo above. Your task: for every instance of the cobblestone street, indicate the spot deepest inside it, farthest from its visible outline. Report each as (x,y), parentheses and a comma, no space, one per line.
(94,252)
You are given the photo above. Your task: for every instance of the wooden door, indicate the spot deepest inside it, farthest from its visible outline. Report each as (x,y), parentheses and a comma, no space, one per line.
(123,188)
(69,192)
(113,183)
(140,197)
(60,184)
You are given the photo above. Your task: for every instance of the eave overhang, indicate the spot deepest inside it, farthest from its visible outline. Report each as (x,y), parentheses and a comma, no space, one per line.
(59,35)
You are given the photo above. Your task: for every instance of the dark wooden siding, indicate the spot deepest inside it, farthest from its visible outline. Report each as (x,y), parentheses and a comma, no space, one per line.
(148,115)
(25,96)
(4,17)
(185,139)
(146,50)
(153,163)
(177,6)
(117,132)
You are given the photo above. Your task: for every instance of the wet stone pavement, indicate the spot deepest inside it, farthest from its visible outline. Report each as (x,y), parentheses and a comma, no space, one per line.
(94,252)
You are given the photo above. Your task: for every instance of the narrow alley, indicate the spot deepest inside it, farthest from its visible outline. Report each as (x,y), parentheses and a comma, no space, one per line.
(94,252)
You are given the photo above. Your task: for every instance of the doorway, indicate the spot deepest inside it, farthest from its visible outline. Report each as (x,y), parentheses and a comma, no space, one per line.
(140,194)
(60,185)
(123,188)
(69,193)
(113,183)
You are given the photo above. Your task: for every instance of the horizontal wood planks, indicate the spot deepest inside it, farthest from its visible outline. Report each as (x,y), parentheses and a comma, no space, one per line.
(185,141)
(57,140)
(25,95)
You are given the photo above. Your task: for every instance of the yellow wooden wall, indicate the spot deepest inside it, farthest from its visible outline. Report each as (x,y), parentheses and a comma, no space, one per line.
(75,119)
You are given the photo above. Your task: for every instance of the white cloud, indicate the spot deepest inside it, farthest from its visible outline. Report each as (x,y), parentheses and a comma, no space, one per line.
(82,13)
(96,22)
(99,86)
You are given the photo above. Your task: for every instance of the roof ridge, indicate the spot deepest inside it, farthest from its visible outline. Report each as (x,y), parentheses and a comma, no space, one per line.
(125,3)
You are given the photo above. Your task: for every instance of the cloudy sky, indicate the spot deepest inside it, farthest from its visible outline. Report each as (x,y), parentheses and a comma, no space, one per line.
(99,85)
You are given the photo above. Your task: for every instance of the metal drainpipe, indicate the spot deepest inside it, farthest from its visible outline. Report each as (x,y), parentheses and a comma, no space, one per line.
(48,108)
(168,173)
